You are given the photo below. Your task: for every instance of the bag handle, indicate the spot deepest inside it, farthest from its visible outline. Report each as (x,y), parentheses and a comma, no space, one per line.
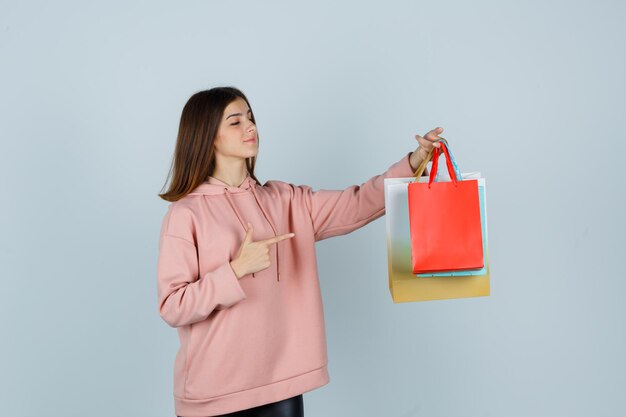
(422,167)
(450,162)
(433,154)
(453,169)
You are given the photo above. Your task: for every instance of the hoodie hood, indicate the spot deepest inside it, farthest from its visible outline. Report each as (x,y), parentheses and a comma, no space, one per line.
(213,186)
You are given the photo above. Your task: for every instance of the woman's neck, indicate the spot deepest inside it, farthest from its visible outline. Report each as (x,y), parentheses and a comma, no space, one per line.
(232,171)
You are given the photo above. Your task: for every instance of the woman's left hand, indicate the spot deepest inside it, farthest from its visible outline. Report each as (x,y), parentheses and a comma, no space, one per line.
(426,143)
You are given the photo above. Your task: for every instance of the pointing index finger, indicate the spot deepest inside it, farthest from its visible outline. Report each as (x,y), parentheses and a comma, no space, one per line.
(276,239)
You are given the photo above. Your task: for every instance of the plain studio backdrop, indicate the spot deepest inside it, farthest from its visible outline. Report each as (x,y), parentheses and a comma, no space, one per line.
(529,93)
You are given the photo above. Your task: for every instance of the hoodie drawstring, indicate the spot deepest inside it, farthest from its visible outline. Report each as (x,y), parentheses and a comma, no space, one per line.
(230,200)
(232,204)
(271,225)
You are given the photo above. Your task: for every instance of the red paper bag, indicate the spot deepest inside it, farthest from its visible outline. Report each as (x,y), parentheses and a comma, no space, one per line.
(444,219)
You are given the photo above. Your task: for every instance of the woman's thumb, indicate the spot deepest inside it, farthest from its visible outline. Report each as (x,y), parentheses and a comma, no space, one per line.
(248,237)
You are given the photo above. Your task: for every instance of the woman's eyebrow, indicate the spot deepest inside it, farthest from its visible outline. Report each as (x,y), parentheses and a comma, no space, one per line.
(237,114)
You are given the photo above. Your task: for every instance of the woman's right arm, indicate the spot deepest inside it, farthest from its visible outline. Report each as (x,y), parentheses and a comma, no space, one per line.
(184,297)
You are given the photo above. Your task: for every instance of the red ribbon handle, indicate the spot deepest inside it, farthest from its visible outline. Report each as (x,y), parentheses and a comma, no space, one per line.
(435,165)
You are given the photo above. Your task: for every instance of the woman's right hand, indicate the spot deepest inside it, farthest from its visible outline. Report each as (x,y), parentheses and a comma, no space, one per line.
(254,256)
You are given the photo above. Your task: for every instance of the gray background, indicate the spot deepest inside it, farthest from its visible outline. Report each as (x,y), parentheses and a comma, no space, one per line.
(529,93)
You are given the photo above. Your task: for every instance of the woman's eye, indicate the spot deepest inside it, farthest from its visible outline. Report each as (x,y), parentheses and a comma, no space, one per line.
(236,123)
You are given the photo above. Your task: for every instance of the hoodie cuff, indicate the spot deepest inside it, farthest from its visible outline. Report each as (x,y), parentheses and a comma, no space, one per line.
(227,285)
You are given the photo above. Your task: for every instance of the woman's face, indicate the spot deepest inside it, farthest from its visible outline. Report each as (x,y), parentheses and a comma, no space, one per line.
(237,135)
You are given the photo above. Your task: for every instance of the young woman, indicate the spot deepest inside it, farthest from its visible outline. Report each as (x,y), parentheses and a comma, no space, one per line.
(237,272)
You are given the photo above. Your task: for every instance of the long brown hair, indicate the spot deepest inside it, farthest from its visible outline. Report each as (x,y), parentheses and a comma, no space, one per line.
(194,157)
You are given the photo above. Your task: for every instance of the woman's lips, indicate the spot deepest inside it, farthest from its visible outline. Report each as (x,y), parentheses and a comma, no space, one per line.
(250,140)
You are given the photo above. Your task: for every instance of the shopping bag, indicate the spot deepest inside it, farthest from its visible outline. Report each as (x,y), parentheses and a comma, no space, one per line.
(482,196)
(404,285)
(445,221)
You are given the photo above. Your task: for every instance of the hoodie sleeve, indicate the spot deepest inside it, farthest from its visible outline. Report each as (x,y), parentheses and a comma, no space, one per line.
(338,212)
(184,297)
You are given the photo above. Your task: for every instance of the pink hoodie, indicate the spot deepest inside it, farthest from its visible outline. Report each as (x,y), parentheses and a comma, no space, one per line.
(259,339)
